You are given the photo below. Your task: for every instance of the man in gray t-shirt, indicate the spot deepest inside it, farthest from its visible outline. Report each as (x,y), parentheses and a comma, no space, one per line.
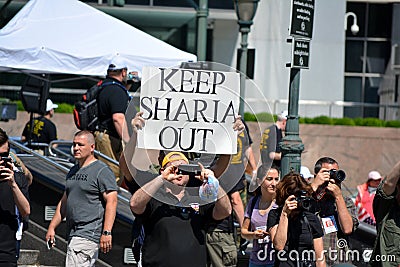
(89,204)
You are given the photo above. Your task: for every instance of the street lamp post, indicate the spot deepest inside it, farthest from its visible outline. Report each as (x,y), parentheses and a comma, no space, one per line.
(245,11)
(202,14)
(291,145)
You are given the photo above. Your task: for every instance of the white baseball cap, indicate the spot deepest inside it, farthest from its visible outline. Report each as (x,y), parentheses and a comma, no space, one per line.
(118,63)
(50,105)
(283,115)
(374,175)
(305,172)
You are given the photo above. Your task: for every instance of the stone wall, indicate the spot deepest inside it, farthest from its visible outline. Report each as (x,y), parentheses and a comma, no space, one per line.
(357,149)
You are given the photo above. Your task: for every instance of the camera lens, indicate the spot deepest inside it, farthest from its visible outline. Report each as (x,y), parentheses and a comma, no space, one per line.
(337,175)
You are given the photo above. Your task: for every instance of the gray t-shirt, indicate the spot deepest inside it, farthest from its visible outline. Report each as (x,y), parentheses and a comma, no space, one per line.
(85,204)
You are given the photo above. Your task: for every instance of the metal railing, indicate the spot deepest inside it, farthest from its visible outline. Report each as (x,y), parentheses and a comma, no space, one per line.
(328,107)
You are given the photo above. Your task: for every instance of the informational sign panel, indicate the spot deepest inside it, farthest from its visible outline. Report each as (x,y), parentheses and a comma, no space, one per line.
(189,110)
(301,54)
(302,19)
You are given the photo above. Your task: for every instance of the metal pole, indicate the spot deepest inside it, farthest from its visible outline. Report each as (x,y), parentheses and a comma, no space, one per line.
(291,145)
(202,14)
(243,66)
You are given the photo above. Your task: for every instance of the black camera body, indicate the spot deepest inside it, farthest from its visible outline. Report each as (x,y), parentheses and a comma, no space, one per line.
(337,175)
(304,202)
(192,170)
(5,164)
(189,169)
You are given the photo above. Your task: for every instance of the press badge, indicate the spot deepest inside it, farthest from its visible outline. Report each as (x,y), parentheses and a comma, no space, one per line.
(329,224)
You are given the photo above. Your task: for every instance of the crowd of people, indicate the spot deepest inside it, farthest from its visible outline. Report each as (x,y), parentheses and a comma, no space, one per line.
(292,219)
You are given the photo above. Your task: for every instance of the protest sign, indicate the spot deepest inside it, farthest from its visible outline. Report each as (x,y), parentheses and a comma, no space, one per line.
(189,110)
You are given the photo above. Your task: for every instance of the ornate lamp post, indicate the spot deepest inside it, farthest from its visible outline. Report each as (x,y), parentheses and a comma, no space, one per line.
(245,11)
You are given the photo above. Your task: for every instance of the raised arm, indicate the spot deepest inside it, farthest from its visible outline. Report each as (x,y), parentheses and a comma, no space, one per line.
(143,195)
(20,200)
(391,180)
(222,208)
(137,124)
(279,232)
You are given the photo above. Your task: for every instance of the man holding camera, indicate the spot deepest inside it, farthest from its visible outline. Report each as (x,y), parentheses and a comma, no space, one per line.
(174,223)
(337,214)
(113,101)
(14,204)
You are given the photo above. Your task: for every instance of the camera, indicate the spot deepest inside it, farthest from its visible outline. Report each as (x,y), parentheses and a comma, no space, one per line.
(189,169)
(192,170)
(133,77)
(5,164)
(50,243)
(337,175)
(303,201)
(6,161)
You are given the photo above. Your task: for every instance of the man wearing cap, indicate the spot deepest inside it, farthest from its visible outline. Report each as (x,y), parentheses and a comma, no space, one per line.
(113,101)
(43,130)
(271,137)
(365,197)
(174,219)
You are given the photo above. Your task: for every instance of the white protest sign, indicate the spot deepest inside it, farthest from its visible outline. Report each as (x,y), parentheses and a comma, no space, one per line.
(189,110)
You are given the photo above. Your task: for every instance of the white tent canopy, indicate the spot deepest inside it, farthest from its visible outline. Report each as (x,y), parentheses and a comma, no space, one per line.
(71,37)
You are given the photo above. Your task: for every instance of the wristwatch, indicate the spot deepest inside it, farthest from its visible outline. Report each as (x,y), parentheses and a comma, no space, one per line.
(106,232)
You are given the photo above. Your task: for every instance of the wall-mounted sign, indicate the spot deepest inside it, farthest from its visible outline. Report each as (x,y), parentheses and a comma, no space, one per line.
(302,19)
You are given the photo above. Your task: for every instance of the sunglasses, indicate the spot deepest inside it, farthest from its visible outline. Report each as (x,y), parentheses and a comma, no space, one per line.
(4,154)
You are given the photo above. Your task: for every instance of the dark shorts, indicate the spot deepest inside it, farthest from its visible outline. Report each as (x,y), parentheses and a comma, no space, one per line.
(238,187)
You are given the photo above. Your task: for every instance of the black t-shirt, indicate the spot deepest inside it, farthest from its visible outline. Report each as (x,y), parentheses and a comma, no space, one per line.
(113,98)
(174,235)
(8,218)
(44,130)
(235,169)
(300,233)
(271,138)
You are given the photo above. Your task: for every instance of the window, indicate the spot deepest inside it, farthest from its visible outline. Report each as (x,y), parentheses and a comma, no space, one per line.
(367,56)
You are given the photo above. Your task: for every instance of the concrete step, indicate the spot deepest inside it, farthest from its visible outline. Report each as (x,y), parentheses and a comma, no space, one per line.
(29,257)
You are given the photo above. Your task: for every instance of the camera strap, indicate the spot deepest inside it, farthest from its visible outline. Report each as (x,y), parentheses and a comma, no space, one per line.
(308,226)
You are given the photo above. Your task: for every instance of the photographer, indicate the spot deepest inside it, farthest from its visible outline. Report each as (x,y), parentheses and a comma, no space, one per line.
(296,233)
(13,194)
(179,225)
(337,213)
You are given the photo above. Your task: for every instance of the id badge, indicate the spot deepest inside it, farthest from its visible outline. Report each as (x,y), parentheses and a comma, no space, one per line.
(329,224)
